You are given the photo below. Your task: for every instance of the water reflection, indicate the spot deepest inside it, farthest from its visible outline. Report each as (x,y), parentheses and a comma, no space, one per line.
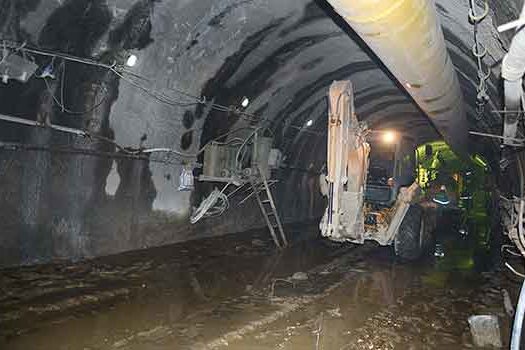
(217,291)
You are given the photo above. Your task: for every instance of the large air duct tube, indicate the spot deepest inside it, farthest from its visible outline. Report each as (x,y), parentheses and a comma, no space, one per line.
(512,70)
(407,36)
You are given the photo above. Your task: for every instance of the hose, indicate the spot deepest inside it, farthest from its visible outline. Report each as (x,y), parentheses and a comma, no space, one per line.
(209,206)
(205,207)
(518,320)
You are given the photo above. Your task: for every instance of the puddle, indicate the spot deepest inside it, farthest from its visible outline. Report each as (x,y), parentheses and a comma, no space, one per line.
(236,292)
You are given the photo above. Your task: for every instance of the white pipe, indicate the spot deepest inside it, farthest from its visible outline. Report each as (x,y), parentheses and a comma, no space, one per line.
(518,321)
(60,128)
(511,25)
(512,70)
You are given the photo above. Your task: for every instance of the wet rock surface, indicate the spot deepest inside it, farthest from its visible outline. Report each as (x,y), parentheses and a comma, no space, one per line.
(228,292)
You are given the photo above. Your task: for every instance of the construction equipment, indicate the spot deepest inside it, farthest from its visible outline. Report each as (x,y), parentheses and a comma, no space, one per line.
(371,190)
(346,164)
(242,162)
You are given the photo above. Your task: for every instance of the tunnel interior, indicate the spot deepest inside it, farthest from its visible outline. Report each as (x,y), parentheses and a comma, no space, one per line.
(132,132)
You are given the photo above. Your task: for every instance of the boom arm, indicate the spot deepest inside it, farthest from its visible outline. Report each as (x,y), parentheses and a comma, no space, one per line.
(347,164)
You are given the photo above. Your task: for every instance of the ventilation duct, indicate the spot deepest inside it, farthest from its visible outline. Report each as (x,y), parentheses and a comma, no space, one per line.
(407,37)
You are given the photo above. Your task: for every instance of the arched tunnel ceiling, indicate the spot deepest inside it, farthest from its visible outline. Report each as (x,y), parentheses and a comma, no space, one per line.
(282,55)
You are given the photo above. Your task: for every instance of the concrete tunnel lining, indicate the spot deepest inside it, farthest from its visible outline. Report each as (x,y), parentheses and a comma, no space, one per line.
(89,207)
(283,55)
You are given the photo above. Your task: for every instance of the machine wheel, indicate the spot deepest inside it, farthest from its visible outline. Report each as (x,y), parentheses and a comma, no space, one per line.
(408,243)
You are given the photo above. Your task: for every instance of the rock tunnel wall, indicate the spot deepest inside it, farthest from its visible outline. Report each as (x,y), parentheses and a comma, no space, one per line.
(54,206)
(65,197)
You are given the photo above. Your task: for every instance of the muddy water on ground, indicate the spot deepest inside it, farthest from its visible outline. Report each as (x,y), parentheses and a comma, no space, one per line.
(236,292)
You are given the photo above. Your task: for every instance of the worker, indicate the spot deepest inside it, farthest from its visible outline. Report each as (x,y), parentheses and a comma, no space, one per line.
(441,197)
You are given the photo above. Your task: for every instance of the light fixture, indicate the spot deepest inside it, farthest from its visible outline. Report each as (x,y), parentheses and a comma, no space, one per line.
(131,61)
(389,137)
(310,122)
(245,102)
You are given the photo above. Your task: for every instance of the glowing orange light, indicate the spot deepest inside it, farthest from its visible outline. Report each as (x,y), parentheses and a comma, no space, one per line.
(389,137)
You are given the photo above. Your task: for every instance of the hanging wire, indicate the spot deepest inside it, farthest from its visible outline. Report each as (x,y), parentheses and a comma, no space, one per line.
(69,111)
(158,96)
(197,100)
(23,48)
(121,72)
(132,79)
(479,52)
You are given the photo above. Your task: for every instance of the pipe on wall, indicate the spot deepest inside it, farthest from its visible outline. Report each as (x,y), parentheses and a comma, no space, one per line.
(512,70)
(407,36)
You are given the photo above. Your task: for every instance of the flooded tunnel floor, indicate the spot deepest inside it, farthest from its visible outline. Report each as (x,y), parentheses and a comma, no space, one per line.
(235,291)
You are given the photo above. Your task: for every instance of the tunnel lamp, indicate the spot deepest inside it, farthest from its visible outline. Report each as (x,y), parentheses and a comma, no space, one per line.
(131,61)
(310,122)
(245,102)
(389,137)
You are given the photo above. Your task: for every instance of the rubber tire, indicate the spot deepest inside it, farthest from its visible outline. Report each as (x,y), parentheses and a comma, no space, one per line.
(408,243)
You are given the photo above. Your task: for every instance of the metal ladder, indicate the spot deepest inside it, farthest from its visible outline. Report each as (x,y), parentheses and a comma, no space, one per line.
(267,205)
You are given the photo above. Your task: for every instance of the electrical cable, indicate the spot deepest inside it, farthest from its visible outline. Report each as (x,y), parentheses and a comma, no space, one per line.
(243,145)
(506,249)
(209,206)
(200,100)
(23,48)
(126,71)
(88,135)
(14,146)
(127,150)
(156,95)
(188,155)
(62,80)
(513,270)
(67,110)
(227,134)
(166,150)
